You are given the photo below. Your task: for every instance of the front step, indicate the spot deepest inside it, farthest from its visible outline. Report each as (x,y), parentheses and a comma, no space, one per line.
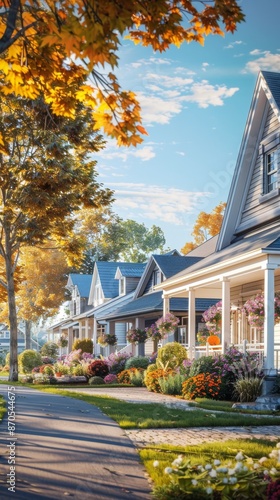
(269,402)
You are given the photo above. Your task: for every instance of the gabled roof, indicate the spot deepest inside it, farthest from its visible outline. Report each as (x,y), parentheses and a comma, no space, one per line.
(81,281)
(266,96)
(130,270)
(167,264)
(106,271)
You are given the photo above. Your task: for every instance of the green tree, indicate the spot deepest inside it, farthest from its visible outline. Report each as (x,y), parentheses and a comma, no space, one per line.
(46,175)
(139,241)
(57,49)
(206,226)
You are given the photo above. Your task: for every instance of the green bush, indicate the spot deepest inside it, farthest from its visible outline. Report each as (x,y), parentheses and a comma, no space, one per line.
(137,362)
(205,364)
(77,370)
(247,389)
(137,377)
(61,368)
(171,355)
(28,359)
(151,378)
(49,349)
(172,384)
(96,381)
(86,345)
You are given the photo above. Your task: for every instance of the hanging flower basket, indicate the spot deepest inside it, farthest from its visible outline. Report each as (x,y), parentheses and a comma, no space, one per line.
(153,333)
(254,309)
(167,324)
(102,340)
(213,318)
(111,339)
(62,341)
(136,336)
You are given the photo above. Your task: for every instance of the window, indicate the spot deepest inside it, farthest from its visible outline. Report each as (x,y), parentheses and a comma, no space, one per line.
(122,286)
(271,167)
(157,277)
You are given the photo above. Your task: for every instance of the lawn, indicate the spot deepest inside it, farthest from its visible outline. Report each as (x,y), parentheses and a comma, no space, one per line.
(156,415)
(2,408)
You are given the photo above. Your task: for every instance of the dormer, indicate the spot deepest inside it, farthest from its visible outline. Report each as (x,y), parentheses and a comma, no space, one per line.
(128,276)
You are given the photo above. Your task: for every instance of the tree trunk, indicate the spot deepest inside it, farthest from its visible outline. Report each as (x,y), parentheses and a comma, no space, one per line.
(27,334)
(13,376)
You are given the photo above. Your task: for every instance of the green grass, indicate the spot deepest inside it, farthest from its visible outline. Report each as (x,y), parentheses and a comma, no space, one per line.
(2,408)
(226,406)
(200,454)
(156,415)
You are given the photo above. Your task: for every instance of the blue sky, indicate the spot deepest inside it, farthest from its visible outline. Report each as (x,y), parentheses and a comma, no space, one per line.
(195,102)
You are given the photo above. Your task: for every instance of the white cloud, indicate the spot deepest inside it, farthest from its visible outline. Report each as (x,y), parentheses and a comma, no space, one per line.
(155,202)
(205,66)
(113,152)
(205,94)
(155,109)
(231,45)
(145,153)
(267,61)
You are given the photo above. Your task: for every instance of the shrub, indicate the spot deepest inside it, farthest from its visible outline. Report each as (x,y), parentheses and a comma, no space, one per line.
(44,369)
(111,379)
(61,368)
(49,349)
(77,370)
(137,376)
(86,345)
(151,378)
(205,364)
(171,355)
(124,376)
(203,385)
(28,359)
(47,360)
(137,362)
(96,380)
(97,368)
(247,389)
(172,384)
(116,361)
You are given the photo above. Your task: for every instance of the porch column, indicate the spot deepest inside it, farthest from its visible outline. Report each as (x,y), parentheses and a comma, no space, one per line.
(191,323)
(166,305)
(268,331)
(140,347)
(225,340)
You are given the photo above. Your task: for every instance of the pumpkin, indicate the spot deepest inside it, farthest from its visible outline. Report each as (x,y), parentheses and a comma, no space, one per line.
(213,340)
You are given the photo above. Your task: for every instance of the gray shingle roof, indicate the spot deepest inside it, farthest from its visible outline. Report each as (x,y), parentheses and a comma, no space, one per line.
(273,81)
(153,302)
(83,282)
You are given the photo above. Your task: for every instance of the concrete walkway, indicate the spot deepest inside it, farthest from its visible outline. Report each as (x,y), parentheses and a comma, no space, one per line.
(64,448)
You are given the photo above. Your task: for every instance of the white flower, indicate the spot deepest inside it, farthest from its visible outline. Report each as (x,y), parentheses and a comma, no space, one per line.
(239,457)
(238,466)
(156,463)
(231,472)
(209,490)
(245,469)
(225,480)
(232,480)
(256,466)
(213,473)
(273,454)
(222,469)
(177,461)
(273,471)
(194,482)
(278,445)
(217,462)
(262,460)
(208,467)
(168,470)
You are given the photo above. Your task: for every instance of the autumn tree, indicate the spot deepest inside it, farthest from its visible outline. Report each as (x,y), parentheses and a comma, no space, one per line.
(206,226)
(62,50)
(42,288)
(46,174)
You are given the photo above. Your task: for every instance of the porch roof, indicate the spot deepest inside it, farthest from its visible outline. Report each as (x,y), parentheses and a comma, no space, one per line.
(245,255)
(153,302)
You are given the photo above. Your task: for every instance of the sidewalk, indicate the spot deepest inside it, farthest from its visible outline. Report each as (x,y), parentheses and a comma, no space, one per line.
(67,448)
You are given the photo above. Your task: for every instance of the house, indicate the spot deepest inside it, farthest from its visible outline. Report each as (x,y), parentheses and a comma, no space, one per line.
(5,340)
(145,305)
(246,259)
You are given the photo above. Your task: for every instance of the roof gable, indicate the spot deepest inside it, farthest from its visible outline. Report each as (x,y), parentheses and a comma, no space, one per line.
(81,281)
(237,220)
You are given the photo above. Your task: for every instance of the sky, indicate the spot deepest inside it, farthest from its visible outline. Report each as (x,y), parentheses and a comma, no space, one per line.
(195,101)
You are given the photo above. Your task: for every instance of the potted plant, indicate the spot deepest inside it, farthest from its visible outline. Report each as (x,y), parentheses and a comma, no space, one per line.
(102,340)
(254,309)
(62,341)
